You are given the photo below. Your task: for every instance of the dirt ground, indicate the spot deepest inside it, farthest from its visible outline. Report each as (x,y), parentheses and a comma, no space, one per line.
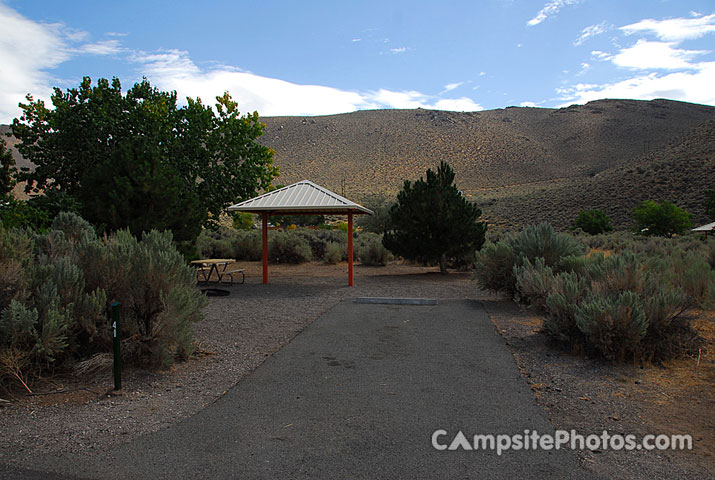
(70,414)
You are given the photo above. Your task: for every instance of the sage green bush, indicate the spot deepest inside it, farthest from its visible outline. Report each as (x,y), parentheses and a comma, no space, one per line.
(371,251)
(627,305)
(56,289)
(333,253)
(288,247)
(494,264)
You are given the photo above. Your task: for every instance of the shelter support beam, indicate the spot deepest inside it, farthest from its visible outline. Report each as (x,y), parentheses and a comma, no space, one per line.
(265,247)
(350,249)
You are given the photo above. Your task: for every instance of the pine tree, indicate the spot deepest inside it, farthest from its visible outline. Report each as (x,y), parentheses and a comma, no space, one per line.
(432,221)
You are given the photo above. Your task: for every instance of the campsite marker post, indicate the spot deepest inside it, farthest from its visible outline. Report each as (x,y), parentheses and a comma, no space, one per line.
(116,344)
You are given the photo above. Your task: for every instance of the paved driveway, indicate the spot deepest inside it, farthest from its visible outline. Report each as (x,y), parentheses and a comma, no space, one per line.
(358,394)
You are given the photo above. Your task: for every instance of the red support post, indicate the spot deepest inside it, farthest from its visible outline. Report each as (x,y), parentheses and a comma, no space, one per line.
(350,249)
(265,247)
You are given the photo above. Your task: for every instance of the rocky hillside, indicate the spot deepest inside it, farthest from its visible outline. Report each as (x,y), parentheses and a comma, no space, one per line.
(678,172)
(377,150)
(522,165)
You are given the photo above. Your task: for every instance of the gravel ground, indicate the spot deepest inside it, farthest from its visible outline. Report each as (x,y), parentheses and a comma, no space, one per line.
(241,330)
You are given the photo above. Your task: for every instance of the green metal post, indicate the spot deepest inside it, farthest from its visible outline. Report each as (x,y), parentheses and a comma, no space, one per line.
(117,352)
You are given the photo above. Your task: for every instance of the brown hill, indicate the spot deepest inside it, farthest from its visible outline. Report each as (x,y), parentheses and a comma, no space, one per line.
(522,164)
(378,149)
(679,172)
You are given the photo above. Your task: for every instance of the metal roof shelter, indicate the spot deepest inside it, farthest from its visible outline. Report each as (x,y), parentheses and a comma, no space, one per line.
(302,198)
(705,228)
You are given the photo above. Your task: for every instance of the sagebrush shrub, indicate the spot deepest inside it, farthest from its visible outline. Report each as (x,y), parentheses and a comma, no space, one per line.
(373,253)
(57,312)
(333,253)
(613,325)
(494,264)
(288,247)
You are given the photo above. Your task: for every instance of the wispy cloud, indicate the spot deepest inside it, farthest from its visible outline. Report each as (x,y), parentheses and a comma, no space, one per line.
(674,29)
(398,50)
(550,9)
(591,31)
(451,86)
(599,55)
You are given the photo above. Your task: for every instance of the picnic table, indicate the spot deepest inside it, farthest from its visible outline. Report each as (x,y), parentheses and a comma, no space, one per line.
(216,270)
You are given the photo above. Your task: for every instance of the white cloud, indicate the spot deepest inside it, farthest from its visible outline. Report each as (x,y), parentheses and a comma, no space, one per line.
(591,31)
(174,70)
(104,47)
(528,104)
(688,86)
(355,40)
(398,50)
(462,104)
(655,55)
(27,51)
(674,29)
(551,8)
(30,50)
(599,55)
(451,86)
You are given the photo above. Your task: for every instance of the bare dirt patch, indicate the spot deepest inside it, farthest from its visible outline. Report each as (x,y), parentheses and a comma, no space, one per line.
(590,396)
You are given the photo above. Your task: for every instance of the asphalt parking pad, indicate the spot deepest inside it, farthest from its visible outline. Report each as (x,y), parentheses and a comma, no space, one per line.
(358,394)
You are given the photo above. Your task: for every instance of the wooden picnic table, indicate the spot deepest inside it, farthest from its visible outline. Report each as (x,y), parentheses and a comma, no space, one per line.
(207,268)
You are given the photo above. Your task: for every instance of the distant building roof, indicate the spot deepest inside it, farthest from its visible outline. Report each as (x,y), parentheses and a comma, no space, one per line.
(304,197)
(705,228)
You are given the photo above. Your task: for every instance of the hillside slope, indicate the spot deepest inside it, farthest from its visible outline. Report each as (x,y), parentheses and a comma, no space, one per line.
(679,172)
(375,151)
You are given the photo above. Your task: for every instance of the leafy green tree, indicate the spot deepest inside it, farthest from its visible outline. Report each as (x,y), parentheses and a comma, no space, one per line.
(664,219)
(140,192)
(710,203)
(212,159)
(432,221)
(242,220)
(593,222)
(7,169)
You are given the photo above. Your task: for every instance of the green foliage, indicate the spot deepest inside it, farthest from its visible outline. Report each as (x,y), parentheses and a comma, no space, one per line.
(56,287)
(378,222)
(132,158)
(709,203)
(21,214)
(662,219)
(372,252)
(593,222)
(141,192)
(432,221)
(333,253)
(298,220)
(613,325)
(7,169)
(242,220)
(288,247)
(495,264)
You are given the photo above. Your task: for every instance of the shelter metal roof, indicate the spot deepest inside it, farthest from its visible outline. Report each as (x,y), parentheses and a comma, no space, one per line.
(705,228)
(301,197)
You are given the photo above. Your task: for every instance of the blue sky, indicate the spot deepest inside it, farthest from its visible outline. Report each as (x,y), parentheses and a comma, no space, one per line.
(322,57)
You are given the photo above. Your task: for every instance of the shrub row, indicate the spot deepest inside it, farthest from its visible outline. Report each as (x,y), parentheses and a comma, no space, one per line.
(56,288)
(293,246)
(629,304)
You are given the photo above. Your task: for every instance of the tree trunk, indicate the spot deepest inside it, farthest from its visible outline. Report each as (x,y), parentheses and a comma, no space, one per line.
(443,264)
